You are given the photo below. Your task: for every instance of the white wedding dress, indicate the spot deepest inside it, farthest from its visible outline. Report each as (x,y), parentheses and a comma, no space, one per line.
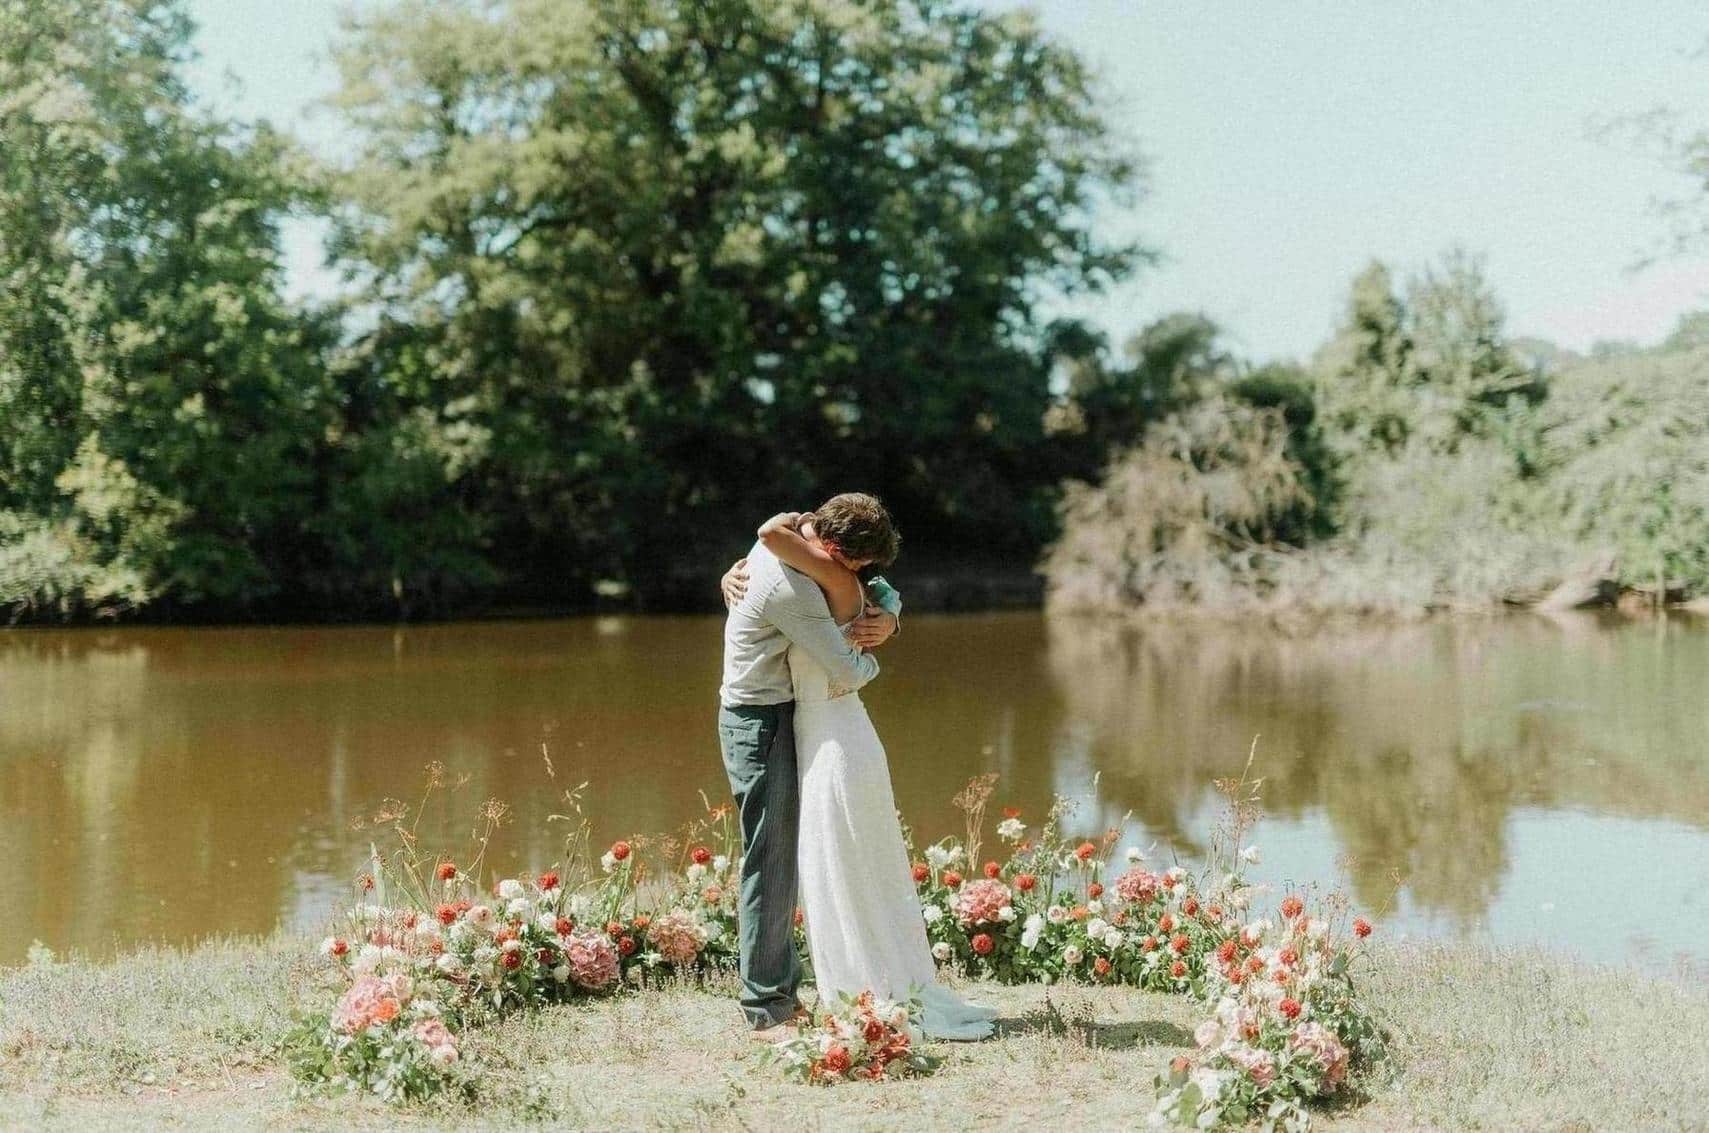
(864,929)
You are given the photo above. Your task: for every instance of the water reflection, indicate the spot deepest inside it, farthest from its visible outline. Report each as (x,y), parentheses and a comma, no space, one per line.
(167,784)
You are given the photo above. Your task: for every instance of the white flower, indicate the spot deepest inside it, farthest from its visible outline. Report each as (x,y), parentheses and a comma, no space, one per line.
(446,963)
(608,862)
(1176,873)
(1114,938)
(548,923)
(1006,913)
(1135,854)
(512,945)
(940,857)
(940,950)
(1031,932)
(1056,914)
(328,945)
(426,1006)
(1072,955)
(1208,1034)
(479,915)
(1095,907)
(510,889)
(443,1055)
(696,872)
(368,959)
(1095,927)
(720,863)
(1250,855)
(1011,829)
(561,973)
(1210,1082)
(933,915)
(579,905)
(519,907)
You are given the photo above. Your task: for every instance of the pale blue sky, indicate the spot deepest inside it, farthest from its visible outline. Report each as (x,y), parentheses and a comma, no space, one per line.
(1289,143)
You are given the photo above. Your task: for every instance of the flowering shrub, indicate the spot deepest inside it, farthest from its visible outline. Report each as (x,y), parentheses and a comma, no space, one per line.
(858,1039)
(380,1038)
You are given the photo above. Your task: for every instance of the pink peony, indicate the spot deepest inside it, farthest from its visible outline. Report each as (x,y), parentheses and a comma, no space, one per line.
(370,1000)
(677,936)
(441,1044)
(981,902)
(1136,886)
(1259,1065)
(592,959)
(1320,1043)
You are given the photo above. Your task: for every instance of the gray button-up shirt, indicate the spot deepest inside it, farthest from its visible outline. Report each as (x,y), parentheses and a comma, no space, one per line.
(783,605)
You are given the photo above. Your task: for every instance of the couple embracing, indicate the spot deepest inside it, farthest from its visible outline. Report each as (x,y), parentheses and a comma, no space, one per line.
(809,775)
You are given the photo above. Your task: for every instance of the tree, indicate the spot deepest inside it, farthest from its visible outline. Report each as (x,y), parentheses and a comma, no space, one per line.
(676,262)
(160,398)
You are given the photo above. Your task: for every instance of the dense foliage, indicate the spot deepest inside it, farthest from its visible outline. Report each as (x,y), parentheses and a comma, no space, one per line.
(627,273)
(1429,463)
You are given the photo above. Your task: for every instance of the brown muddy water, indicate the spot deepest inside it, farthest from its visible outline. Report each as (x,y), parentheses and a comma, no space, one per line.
(1519,781)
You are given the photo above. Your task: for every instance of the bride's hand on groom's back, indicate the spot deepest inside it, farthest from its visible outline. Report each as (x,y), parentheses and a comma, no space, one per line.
(734,584)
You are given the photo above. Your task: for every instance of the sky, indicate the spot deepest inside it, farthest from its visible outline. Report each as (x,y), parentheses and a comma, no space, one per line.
(1288,144)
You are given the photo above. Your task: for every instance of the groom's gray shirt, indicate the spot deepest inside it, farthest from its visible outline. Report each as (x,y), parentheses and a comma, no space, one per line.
(783,605)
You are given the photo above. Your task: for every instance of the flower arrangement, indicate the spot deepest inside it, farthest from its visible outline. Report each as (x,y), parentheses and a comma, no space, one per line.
(380,1038)
(858,1038)
(1285,1027)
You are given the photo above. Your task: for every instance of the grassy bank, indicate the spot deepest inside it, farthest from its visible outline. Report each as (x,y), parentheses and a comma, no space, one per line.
(187,1040)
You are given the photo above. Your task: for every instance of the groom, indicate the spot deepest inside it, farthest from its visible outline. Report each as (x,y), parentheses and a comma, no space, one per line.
(771,607)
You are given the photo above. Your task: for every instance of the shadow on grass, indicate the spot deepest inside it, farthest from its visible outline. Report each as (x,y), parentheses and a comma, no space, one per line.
(1049,1020)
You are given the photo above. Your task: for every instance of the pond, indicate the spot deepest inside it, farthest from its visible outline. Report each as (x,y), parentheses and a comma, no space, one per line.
(1516,780)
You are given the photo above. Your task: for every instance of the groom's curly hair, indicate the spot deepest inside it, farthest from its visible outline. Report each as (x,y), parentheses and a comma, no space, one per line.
(858,526)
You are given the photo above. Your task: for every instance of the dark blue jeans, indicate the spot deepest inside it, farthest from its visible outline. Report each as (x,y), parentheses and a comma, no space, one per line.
(758,742)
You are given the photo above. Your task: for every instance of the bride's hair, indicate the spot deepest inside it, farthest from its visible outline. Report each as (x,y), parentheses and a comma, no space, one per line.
(859,527)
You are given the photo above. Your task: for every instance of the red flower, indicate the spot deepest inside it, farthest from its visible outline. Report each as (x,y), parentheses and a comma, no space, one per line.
(1292,907)
(1288,957)
(1290,1008)
(1178,969)
(565,926)
(1094,891)
(446,871)
(1149,944)
(1179,945)
(1180,1064)
(1237,976)
(800,918)
(446,914)
(1011,812)
(921,873)
(1025,882)
(952,879)
(549,880)
(874,1030)
(1100,967)
(1361,927)
(641,922)
(983,944)
(1225,951)
(339,947)
(365,882)
(620,850)
(1190,906)
(1079,913)
(700,855)
(1166,923)
(613,928)
(1084,851)
(1214,912)
(544,956)
(993,870)
(712,895)
(512,960)
(837,1060)
(626,945)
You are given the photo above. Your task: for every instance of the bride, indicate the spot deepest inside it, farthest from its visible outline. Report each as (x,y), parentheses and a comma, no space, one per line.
(864,929)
